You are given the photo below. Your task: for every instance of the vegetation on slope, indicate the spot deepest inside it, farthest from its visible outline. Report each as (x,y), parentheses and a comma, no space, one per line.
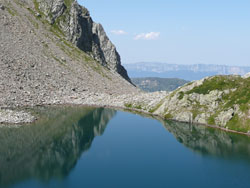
(223,101)
(236,95)
(218,82)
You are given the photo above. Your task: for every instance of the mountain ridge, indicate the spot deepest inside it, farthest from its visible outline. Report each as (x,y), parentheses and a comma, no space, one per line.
(186,72)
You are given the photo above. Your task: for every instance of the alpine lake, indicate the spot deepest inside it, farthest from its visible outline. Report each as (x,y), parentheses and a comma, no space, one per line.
(98,147)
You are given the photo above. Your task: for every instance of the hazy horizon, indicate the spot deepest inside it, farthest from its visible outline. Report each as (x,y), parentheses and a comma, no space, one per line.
(126,63)
(178,32)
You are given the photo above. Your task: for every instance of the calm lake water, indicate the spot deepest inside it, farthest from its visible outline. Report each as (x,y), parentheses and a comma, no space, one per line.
(87,147)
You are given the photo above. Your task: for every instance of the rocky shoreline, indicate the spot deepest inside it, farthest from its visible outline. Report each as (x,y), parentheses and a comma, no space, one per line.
(16,118)
(8,116)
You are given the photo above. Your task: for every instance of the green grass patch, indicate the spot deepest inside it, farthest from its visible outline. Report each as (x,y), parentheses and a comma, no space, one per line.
(168,116)
(195,113)
(88,58)
(236,124)
(139,107)
(152,110)
(181,95)
(55,28)
(128,105)
(11,11)
(211,120)
(241,96)
(36,4)
(216,83)
(68,3)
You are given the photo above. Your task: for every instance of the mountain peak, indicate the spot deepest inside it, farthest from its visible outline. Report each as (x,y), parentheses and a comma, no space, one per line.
(75,23)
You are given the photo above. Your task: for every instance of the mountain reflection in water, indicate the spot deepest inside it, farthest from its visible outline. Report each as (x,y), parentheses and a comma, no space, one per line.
(210,141)
(51,147)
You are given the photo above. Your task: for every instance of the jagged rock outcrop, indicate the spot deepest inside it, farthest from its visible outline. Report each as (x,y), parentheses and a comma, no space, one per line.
(77,25)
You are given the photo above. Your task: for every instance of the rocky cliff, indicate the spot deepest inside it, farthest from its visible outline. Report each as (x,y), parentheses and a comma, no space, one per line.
(75,23)
(51,49)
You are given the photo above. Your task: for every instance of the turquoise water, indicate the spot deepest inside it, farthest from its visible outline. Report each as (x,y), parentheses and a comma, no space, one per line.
(87,147)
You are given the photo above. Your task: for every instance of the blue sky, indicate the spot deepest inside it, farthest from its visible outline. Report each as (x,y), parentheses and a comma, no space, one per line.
(176,31)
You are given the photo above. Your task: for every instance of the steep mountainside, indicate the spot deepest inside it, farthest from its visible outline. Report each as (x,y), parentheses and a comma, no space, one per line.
(152,84)
(51,49)
(186,72)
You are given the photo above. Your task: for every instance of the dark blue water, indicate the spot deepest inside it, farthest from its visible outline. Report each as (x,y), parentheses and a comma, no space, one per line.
(76,147)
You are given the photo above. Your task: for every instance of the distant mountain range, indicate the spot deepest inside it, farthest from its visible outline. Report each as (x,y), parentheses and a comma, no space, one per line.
(186,72)
(152,84)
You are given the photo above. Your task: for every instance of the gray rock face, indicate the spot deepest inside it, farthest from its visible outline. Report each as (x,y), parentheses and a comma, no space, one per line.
(79,28)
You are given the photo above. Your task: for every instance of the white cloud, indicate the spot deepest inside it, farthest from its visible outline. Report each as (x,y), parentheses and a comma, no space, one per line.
(118,32)
(147,36)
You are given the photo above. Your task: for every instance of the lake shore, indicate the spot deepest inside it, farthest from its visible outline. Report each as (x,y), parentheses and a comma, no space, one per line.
(20,115)
(17,114)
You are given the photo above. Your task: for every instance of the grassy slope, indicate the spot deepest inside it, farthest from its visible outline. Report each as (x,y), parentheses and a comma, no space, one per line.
(239,95)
